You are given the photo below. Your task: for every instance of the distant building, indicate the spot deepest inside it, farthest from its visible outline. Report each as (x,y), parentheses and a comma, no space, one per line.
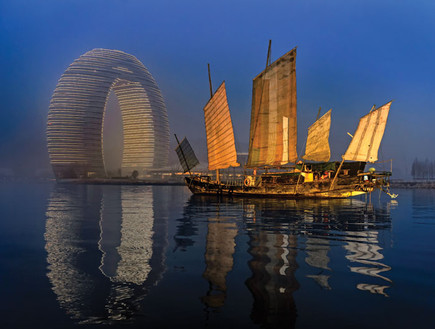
(76,114)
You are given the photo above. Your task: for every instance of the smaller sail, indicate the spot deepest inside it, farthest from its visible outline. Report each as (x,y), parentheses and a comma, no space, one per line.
(368,136)
(220,135)
(187,157)
(317,148)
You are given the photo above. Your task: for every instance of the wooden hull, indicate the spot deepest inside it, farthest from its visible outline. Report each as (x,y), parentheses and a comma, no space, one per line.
(201,186)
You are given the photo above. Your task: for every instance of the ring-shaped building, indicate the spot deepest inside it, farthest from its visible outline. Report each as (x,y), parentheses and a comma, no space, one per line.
(76,116)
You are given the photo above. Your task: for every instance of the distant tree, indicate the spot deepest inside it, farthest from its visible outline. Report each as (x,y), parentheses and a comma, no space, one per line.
(423,169)
(419,170)
(414,169)
(134,174)
(430,169)
(426,169)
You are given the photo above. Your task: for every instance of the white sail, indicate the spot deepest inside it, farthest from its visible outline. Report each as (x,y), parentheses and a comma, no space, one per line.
(368,136)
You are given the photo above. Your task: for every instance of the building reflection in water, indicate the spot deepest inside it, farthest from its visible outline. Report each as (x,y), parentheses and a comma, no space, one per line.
(105,249)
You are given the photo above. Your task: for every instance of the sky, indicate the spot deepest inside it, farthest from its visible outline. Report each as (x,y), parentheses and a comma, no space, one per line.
(351,55)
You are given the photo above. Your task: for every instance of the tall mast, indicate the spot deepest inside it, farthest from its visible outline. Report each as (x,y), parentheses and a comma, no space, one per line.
(218,180)
(268,53)
(318,113)
(209,80)
(332,186)
(261,95)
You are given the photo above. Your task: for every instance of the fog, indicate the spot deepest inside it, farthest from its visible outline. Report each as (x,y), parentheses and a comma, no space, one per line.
(350,56)
(112,135)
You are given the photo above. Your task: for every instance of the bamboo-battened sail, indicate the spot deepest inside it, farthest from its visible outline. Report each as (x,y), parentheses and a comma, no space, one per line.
(219,128)
(187,157)
(273,133)
(317,148)
(367,138)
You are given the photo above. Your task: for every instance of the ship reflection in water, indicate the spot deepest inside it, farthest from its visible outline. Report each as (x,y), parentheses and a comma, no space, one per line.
(219,261)
(356,225)
(278,231)
(104,249)
(108,247)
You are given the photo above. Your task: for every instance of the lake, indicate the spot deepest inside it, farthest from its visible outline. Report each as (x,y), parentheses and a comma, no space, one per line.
(158,257)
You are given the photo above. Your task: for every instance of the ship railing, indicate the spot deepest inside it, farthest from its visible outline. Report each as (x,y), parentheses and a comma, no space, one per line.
(233,181)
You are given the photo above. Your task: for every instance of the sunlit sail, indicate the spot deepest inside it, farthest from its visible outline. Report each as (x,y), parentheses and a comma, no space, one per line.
(219,128)
(273,133)
(271,169)
(317,148)
(367,138)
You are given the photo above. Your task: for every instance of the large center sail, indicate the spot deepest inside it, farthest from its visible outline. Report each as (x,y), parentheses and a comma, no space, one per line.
(317,148)
(273,133)
(219,128)
(367,138)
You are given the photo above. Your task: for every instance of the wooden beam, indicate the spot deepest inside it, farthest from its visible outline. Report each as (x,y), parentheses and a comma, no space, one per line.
(209,80)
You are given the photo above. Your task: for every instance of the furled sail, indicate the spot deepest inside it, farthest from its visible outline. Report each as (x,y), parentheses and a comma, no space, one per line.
(317,148)
(219,128)
(273,133)
(367,138)
(187,157)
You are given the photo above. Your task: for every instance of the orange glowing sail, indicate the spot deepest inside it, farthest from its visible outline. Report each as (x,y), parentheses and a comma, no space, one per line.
(368,136)
(317,148)
(219,128)
(273,133)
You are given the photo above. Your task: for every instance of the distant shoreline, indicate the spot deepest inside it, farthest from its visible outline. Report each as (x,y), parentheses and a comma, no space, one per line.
(126,181)
(412,184)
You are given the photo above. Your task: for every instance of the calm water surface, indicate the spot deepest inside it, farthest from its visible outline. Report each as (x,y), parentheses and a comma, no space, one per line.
(158,257)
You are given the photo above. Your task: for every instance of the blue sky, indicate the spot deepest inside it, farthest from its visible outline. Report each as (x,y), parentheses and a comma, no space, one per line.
(351,55)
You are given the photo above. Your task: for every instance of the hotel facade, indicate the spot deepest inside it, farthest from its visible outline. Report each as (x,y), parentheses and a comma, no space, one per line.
(76,116)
